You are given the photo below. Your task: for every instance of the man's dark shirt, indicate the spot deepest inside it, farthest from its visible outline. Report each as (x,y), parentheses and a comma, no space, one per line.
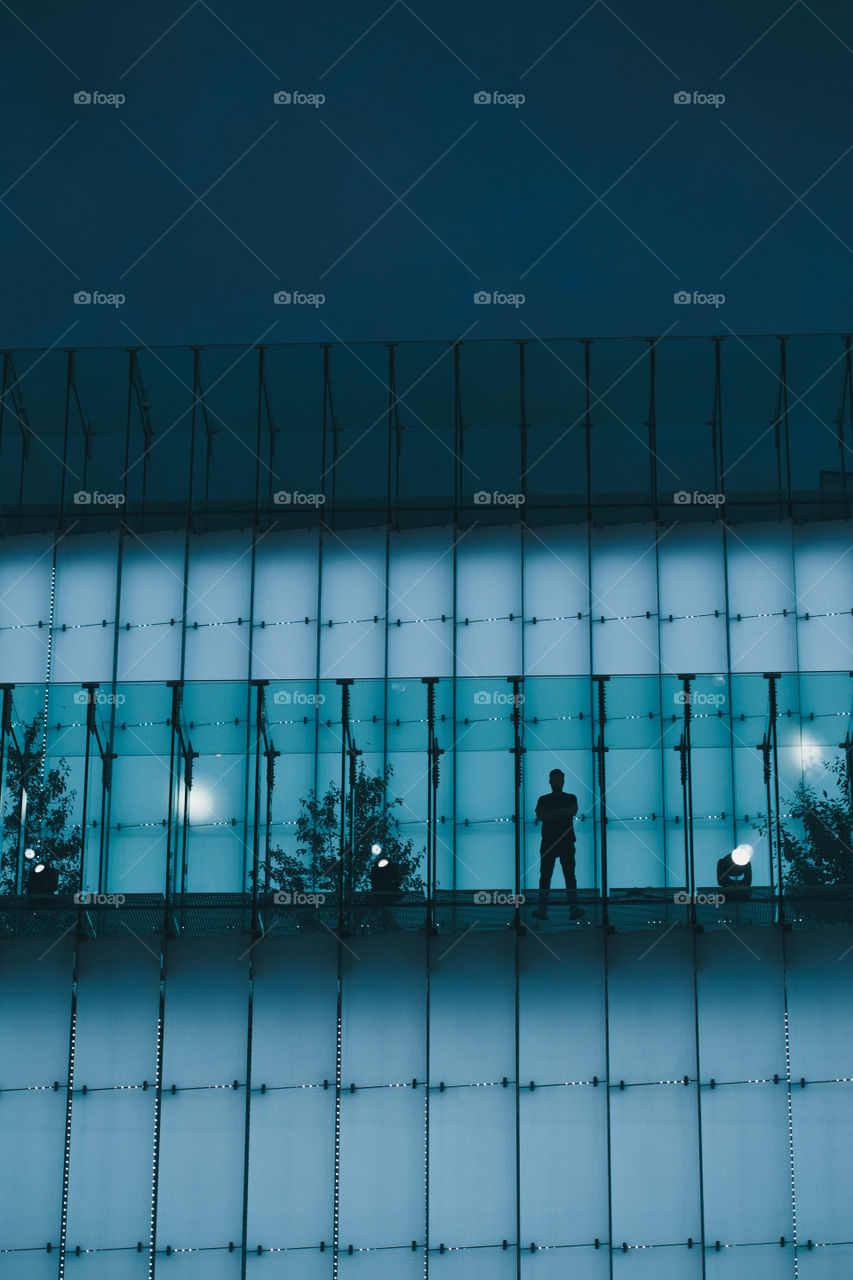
(555,811)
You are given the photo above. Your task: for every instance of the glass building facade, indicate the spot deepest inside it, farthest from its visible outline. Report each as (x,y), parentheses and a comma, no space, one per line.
(226,577)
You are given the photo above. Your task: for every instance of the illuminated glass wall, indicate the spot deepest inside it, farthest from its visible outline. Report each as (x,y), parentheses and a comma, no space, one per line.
(665,1104)
(552,607)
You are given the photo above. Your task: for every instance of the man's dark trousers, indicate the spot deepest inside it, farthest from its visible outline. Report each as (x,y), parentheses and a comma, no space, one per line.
(565,851)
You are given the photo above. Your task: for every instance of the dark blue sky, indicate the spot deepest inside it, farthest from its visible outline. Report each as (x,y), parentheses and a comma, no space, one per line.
(400,197)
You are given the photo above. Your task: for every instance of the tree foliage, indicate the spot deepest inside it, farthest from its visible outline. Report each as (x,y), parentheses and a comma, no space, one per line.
(50,802)
(821,851)
(316,864)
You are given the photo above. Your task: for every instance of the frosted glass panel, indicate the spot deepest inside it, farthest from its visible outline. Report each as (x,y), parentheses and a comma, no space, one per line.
(654,1148)
(34,1033)
(472,1033)
(472,1166)
(26,568)
(353,595)
(760,588)
(200,1192)
(33,1136)
(556,594)
(561,1015)
(488,641)
(85,599)
(695,639)
(624,590)
(650,988)
(563,1165)
(382,1176)
(291,1202)
(294,1023)
(420,610)
(151,607)
(383,1043)
(286,566)
(745,1145)
(207,1003)
(219,637)
(109,1201)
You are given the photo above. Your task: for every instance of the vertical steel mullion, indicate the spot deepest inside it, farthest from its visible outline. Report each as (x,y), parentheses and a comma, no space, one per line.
(846,398)
(587,428)
(788,1090)
(783,373)
(260,685)
(320,542)
(5,731)
(774,755)
(688,761)
(158,1115)
(336,1188)
(175,756)
(69,374)
(517,1068)
(248,1115)
(718,394)
(69,1098)
(700,1147)
(457,509)
(393,444)
(605,935)
(517,752)
(250,652)
(345,689)
(522,530)
(600,750)
(90,714)
(652,430)
(427,1084)
(106,790)
(591,646)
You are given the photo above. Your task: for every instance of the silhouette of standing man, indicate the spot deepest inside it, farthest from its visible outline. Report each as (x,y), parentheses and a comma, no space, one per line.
(555,812)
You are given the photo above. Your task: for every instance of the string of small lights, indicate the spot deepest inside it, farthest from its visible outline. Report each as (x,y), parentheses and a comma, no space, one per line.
(429,620)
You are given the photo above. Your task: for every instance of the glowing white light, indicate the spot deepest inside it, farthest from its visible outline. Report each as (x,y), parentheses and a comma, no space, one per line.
(383,862)
(811,754)
(29,853)
(741,855)
(39,866)
(199,803)
(376,849)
